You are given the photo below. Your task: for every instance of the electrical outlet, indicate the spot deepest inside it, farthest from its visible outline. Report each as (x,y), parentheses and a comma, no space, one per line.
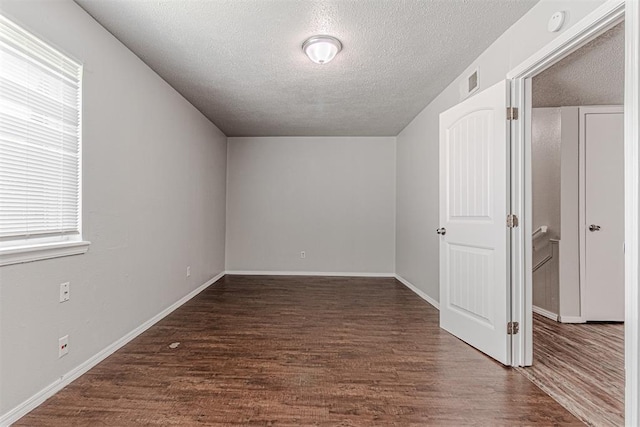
(63,346)
(64,292)
(188,271)
(303,255)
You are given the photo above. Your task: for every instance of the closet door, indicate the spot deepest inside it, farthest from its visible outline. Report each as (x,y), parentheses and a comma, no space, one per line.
(603,225)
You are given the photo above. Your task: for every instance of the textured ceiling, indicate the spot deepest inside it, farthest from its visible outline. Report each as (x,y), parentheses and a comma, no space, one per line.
(592,75)
(240,62)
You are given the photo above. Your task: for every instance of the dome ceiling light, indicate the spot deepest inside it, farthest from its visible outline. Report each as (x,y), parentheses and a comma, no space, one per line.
(321,49)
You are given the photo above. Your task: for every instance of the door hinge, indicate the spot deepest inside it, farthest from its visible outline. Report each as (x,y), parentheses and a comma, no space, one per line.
(513,328)
(512,221)
(512,113)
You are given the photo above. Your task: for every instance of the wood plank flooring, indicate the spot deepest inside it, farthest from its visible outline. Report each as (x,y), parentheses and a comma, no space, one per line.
(582,367)
(300,351)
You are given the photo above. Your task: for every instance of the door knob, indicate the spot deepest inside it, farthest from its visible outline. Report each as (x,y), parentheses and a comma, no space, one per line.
(441,231)
(594,227)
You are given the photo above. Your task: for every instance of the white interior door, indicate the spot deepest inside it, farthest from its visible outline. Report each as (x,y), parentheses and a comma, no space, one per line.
(474,285)
(603,228)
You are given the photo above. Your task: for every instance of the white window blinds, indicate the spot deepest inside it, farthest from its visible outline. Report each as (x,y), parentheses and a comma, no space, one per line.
(39,137)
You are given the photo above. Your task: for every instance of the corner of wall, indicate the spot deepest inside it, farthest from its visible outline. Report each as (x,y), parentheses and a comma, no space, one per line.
(395,207)
(226,204)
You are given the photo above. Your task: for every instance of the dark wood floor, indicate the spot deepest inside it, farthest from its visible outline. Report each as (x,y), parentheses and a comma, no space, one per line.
(582,367)
(300,351)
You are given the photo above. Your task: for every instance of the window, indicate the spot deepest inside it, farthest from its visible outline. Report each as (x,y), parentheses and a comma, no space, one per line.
(40,96)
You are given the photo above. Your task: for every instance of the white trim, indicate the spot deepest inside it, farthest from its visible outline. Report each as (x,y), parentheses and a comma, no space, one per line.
(521,240)
(31,253)
(571,319)
(546,313)
(418,292)
(80,151)
(305,273)
(34,401)
(632,241)
(601,19)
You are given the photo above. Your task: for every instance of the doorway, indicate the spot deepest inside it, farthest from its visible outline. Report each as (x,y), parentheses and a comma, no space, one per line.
(577,243)
(519,214)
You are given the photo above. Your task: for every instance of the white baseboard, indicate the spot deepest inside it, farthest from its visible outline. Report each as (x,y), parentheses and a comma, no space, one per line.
(546,313)
(306,273)
(418,292)
(571,319)
(34,401)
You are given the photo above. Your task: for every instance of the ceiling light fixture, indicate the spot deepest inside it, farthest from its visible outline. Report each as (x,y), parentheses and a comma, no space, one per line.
(321,49)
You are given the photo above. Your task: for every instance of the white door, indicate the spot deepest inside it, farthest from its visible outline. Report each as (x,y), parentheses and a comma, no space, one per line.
(603,227)
(474,285)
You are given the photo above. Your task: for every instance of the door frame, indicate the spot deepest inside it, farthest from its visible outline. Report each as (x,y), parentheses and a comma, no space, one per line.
(601,19)
(582,192)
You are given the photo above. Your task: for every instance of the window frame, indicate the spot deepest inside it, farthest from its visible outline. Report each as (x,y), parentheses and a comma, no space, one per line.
(39,247)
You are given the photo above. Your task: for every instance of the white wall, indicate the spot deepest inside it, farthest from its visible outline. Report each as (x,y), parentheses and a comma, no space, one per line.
(546,130)
(545,173)
(569,267)
(153,203)
(332,197)
(417,144)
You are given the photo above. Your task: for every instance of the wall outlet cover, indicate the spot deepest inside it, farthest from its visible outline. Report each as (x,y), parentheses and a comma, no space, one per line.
(64,292)
(63,346)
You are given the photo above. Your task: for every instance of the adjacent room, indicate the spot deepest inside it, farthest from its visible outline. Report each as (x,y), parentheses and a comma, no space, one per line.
(578,238)
(296,213)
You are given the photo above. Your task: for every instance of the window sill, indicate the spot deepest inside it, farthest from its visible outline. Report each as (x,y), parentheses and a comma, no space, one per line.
(17,255)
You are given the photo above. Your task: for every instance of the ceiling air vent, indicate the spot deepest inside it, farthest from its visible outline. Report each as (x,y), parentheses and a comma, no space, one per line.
(469,85)
(472,82)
